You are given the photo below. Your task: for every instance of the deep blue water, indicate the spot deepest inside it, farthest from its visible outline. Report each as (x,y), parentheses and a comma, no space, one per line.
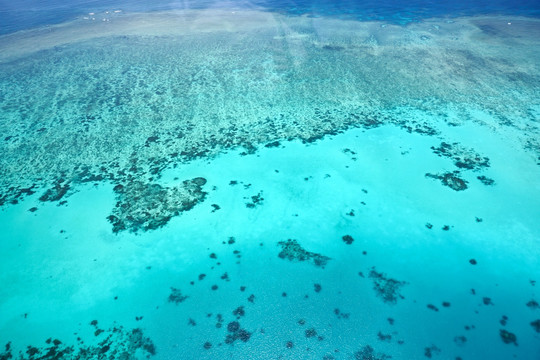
(24,14)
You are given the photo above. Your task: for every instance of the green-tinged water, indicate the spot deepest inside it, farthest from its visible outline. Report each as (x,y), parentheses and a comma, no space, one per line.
(246,185)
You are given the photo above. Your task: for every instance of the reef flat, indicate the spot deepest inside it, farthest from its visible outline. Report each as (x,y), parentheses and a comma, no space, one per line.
(128,97)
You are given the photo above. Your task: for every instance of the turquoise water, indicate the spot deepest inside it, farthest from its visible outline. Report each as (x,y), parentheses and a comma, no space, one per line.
(245,184)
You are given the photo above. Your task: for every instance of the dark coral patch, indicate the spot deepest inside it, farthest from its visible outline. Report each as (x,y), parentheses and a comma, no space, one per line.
(533,304)
(460,340)
(233,326)
(536,325)
(311,333)
(430,351)
(176,296)
(347,239)
(463,158)
(255,200)
(384,337)
(236,333)
(119,343)
(386,288)
(451,180)
(368,353)
(485,180)
(57,192)
(508,337)
(292,251)
(341,315)
(272,144)
(239,312)
(142,207)
(487,301)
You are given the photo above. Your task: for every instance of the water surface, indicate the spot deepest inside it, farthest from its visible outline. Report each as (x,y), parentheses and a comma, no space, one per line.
(251,181)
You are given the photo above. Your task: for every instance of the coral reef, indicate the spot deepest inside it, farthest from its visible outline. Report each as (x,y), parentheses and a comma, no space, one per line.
(508,337)
(176,296)
(463,158)
(485,180)
(347,239)
(113,343)
(386,288)
(293,251)
(450,179)
(143,207)
(368,353)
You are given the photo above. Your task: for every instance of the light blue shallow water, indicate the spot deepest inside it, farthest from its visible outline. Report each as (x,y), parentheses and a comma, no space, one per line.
(231,182)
